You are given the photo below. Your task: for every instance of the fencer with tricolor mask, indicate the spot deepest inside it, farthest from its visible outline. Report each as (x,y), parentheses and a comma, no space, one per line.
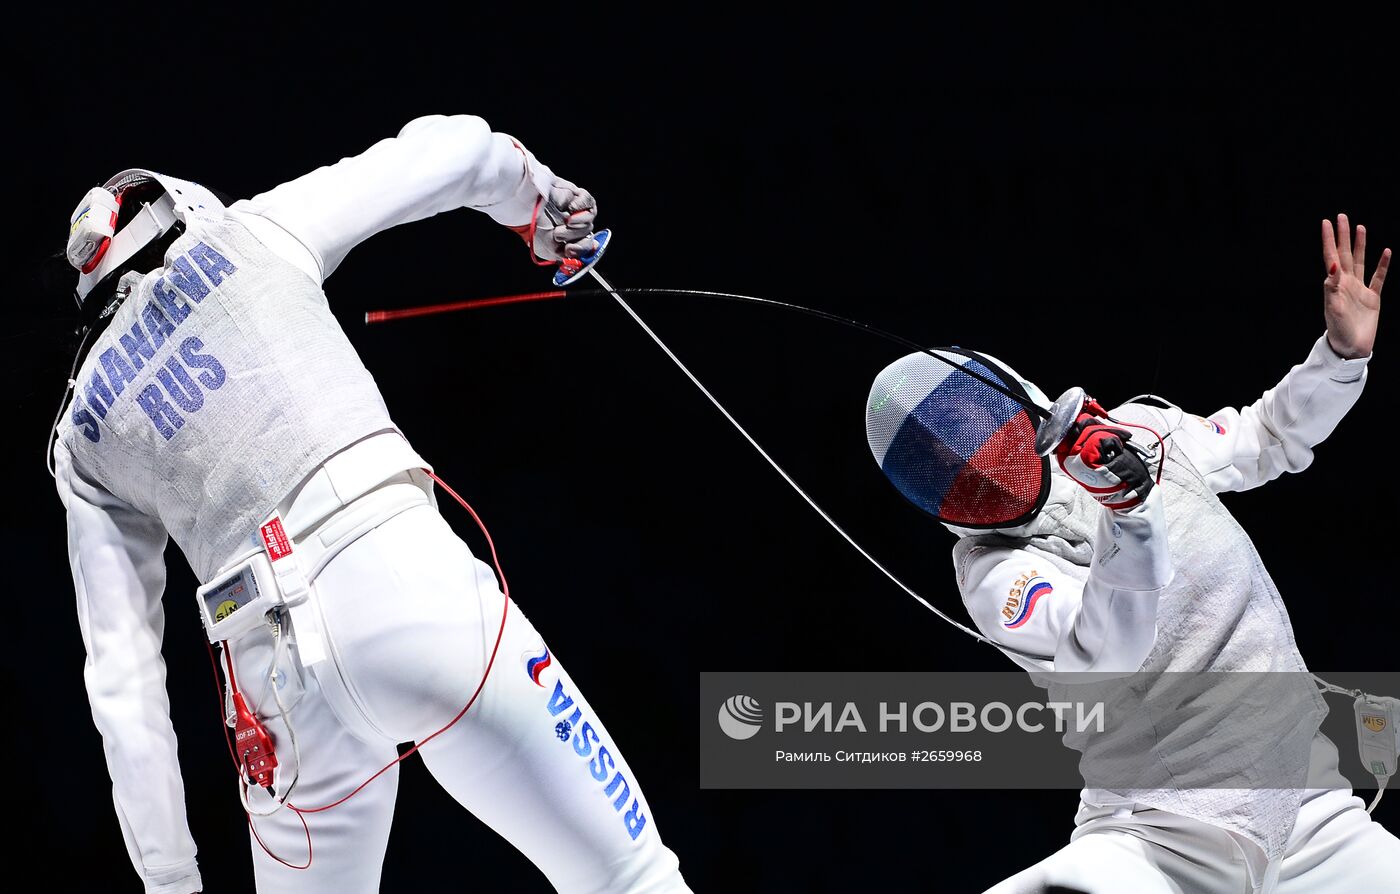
(1067,576)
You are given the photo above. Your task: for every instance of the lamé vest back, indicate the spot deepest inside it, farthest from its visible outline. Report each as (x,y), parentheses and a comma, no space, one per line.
(221,383)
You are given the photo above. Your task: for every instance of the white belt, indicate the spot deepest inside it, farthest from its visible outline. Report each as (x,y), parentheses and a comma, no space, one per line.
(347,475)
(316,547)
(355,490)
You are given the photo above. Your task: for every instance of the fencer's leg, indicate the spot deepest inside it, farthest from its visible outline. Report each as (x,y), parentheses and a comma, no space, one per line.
(1338,849)
(538,766)
(413,618)
(1109,863)
(1145,851)
(349,840)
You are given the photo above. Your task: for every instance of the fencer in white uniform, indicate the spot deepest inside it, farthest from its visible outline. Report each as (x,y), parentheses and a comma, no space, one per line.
(221,394)
(1186,592)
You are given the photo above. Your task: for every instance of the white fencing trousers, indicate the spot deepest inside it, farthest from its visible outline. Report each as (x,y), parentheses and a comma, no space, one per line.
(410,617)
(1335,848)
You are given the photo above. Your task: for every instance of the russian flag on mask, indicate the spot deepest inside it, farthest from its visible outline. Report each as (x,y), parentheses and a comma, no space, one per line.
(953,446)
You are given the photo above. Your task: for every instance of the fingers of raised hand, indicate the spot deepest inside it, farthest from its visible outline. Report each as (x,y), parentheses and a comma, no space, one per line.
(1378,278)
(1330,260)
(1358,254)
(1344,242)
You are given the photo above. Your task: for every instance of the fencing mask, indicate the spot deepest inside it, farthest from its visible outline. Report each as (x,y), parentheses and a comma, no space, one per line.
(115,221)
(955,446)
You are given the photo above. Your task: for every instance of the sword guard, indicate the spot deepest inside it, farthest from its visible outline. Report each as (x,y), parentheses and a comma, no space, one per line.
(571,269)
(1063,414)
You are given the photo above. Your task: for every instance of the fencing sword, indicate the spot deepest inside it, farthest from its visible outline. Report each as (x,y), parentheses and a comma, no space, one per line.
(1055,422)
(1055,425)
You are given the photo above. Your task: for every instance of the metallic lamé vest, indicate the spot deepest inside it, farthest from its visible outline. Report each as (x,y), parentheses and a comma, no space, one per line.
(1220,613)
(221,383)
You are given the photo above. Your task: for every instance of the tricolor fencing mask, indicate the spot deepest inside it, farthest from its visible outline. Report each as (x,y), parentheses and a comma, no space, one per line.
(955,446)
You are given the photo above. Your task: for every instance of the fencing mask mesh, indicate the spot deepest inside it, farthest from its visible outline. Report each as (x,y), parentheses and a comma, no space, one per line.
(956,447)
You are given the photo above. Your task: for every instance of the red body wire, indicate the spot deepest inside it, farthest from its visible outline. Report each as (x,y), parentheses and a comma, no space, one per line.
(490,662)
(382,316)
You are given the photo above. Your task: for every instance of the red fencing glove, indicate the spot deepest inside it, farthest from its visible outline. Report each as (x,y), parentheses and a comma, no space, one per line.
(1097,457)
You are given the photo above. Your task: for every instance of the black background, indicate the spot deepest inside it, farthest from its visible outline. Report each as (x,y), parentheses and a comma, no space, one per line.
(1126,205)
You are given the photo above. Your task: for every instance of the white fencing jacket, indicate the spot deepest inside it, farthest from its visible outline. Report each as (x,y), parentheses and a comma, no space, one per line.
(1106,623)
(1047,591)
(222,383)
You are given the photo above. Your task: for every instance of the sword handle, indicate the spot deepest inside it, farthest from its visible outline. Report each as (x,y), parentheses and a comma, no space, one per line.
(556,215)
(571,269)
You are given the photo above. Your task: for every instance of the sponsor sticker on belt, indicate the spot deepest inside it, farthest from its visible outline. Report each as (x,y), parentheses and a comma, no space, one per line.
(274,538)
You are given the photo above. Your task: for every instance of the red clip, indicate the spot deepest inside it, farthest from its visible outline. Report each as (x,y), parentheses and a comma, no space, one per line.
(254,745)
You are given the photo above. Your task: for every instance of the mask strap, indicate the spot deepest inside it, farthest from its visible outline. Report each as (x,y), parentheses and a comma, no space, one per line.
(153,220)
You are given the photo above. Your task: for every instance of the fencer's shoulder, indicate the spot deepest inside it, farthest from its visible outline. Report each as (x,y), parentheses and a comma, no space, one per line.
(248,217)
(1151,410)
(982,564)
(1209,443)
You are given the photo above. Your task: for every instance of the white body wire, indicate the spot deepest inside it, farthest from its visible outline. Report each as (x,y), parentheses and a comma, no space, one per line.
(279,651)
(837,528)
(788,478)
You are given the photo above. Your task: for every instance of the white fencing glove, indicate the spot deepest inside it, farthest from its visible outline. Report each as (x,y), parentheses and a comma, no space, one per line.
(550,243)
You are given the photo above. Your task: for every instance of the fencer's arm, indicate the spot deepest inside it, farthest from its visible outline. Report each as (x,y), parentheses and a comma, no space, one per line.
(117,558)
(436,163)
(1241,449)
(1106,625)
